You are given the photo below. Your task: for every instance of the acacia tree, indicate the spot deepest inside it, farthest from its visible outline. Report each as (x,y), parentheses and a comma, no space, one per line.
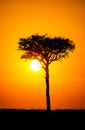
(46,50)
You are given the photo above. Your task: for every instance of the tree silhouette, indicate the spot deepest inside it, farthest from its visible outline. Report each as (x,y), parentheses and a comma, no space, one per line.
(46,50)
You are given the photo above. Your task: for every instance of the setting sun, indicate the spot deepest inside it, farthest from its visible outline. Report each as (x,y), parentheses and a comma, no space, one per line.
(35,65)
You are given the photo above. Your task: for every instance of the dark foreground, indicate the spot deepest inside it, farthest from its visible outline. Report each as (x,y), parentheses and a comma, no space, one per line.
(42,119)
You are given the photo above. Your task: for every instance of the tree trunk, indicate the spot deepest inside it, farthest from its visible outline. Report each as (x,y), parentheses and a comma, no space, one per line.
(47,89)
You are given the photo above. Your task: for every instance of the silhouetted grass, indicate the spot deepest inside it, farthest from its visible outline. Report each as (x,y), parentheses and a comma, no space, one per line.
(42,118)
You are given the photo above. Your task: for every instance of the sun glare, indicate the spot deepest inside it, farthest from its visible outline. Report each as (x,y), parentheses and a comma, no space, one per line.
(35,65)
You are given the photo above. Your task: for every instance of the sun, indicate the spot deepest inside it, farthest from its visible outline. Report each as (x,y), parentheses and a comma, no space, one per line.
(35,65)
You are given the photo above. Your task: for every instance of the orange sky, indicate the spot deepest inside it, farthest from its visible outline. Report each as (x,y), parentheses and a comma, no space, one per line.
(19,86)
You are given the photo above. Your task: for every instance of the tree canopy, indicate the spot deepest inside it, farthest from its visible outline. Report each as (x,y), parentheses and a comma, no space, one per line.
(44,48)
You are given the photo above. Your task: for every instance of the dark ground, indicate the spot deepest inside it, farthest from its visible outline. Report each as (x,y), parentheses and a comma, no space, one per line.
(42,119)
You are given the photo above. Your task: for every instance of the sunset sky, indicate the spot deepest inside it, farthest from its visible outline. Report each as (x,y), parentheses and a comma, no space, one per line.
(22,88)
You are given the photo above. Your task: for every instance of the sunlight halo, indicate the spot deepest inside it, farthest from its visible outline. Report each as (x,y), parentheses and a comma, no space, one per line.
(35,65)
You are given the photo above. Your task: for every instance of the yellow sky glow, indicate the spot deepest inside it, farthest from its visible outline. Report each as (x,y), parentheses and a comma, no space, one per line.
(19,86)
